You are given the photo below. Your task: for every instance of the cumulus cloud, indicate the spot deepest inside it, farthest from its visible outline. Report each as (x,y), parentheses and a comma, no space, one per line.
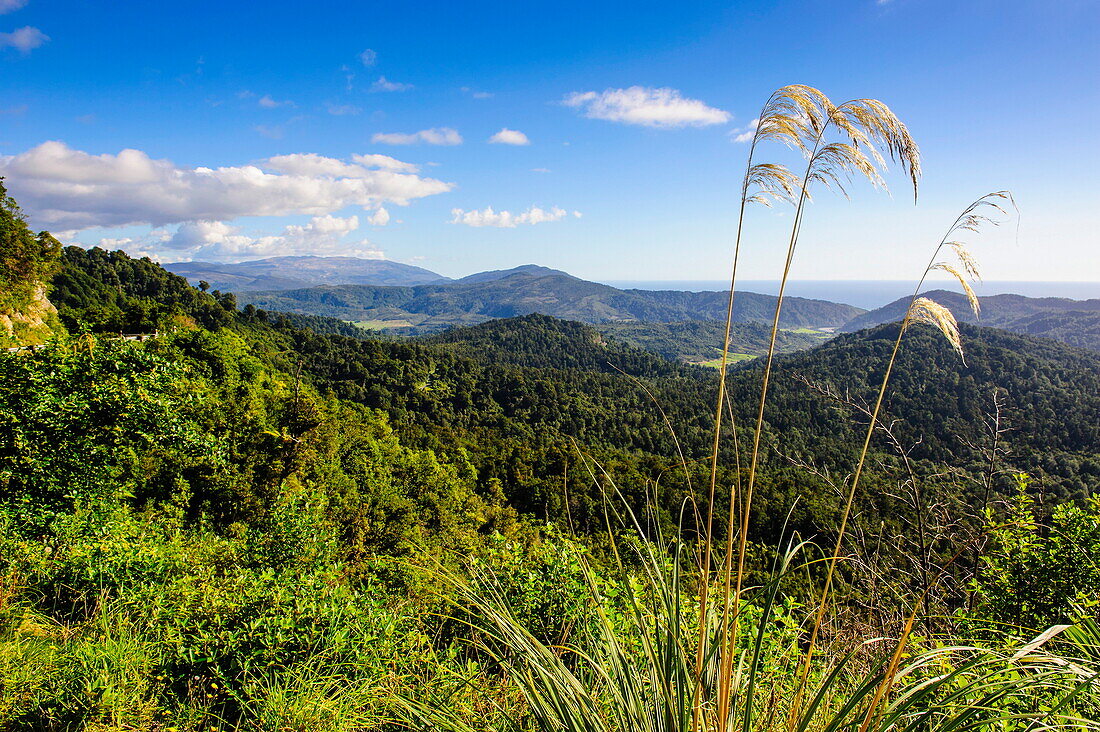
(10,6)
(381,217)
(510,137)
(368,57)
(506,219)
(268,103)
(385,85)
(639,105)
(63,188)
(744,134)
(434,136)
(223,242)
(24,39)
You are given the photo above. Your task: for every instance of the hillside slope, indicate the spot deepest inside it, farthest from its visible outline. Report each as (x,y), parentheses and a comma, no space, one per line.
(27,261)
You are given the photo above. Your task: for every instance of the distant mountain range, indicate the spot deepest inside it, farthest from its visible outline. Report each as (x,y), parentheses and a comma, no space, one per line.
(530,289)
(1076,322)
(408,300)
(288,273)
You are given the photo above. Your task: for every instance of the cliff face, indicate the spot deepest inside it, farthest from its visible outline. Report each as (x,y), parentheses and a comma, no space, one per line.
(31,324)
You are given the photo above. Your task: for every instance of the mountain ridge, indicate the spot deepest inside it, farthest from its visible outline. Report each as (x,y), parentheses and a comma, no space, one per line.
(294,272)
(1076,322)
(432,307)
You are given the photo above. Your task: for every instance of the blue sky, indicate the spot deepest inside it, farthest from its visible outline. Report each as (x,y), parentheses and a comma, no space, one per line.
(258,130)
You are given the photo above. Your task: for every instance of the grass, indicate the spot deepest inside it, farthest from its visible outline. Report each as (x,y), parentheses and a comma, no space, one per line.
(716,363)
(381,324)
(634,670)
(809,331)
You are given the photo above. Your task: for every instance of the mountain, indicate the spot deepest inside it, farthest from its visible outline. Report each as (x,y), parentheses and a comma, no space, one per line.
(1076,322)
(285,273)
(426,308)
(499,274)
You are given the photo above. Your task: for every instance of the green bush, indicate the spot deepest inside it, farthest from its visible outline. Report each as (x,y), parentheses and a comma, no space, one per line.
(1040,572)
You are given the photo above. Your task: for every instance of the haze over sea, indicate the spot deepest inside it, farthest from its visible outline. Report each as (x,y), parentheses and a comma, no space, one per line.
(868,294)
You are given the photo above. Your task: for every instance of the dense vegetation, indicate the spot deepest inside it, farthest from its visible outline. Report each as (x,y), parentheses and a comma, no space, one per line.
(27,260)
(701,341)
(266,521)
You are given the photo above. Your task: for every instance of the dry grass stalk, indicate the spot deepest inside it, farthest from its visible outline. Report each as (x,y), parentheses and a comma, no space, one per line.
(798,117)
(921,309)
(874,133)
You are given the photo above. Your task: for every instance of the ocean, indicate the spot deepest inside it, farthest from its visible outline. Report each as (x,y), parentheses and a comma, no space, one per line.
(868,294)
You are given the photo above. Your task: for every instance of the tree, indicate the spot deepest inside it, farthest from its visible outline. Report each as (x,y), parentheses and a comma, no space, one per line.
(27,260)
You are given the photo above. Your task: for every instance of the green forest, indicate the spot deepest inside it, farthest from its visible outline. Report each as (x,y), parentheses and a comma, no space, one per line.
(215,517)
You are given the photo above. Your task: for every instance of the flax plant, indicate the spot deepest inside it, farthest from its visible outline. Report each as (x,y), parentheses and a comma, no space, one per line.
(633,668)
(920,310)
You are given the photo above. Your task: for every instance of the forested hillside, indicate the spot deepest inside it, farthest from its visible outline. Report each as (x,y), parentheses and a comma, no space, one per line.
(701,341)
(516,392)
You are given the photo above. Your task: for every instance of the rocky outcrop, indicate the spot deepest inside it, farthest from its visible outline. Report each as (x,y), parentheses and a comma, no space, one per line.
(32,324)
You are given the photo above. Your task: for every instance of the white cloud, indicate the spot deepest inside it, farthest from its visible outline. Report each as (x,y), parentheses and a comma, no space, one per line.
(223,242)
(24,39)
(385,85)
(540,170)
(340,110)
(744,134)
(434,136)
(510,137)
(639,105)
(70,189)
(381,217)
(368,57)
(362,166)
(506,219)
(374,160)
(10,6)
(268,103)
(476,94)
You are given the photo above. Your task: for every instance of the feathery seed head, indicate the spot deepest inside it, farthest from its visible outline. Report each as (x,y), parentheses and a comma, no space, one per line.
(837,162)
(924,310)
(969,264)
(771,182)
(970,296)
